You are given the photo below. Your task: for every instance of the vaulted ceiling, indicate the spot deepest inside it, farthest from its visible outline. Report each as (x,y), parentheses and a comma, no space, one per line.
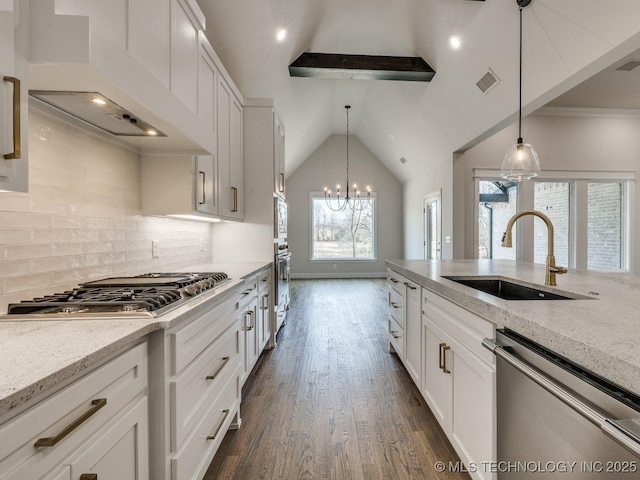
(415,120)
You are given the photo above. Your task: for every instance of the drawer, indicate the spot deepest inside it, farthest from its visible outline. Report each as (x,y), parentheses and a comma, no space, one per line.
(264,280)
(195,454)
(199,383)
(396,306)
(466,327)
(248,292)
(395,281)
(190,341)
(96,398)
(396,337)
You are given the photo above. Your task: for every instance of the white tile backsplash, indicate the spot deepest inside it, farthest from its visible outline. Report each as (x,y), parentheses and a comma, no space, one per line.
(82,217)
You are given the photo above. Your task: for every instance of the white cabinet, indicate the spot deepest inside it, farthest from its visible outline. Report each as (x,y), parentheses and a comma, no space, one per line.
(405,322)
(96,425)
(278,156)
(14,106)
(248,312)
(230,160)
(459,379)
(265,306)
(184,55)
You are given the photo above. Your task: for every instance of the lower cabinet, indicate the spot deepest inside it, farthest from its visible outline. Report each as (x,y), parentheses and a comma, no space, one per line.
(459,380)
(98,425)
(265,302)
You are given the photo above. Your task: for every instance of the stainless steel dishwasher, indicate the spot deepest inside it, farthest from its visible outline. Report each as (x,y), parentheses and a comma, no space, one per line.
(559,420)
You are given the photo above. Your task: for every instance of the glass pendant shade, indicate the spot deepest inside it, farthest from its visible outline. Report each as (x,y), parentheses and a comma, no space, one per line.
(520,163)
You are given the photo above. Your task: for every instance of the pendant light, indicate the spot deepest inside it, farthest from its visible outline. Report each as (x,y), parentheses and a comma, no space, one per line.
(339,204)
(521,160)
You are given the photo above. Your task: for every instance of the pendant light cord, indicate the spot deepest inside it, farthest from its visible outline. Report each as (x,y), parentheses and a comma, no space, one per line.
(520,92)
(347,107)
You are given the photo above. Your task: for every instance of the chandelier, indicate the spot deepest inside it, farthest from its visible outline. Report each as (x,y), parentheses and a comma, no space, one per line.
(338,203)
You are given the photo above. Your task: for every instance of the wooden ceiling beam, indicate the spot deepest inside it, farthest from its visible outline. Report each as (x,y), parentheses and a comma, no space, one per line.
(361,67)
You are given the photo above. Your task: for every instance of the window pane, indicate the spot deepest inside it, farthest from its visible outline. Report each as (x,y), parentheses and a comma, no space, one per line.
(604,228)
(497,205)
(552,199)
(343,235)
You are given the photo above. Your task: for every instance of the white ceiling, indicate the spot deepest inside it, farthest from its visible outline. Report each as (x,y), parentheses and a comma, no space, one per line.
(423,122)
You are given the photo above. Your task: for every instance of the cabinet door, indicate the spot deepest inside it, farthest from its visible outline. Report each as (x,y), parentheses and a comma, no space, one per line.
(205,187)
(265,319)
(207,81)
(225,194)
(413,322)
(436,385)
(473,416)
(13,97)
(184,56)
(249,319)
(278,156)
(237,162)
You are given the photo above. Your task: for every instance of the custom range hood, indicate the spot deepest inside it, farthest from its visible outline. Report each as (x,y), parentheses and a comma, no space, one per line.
(99,111)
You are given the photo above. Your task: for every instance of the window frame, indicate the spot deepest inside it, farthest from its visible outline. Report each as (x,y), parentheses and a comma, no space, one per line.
(578,245)
(320,195)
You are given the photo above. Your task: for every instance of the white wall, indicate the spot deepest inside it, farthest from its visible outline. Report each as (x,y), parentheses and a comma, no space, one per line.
(81,218)
(596,143)
(327,167)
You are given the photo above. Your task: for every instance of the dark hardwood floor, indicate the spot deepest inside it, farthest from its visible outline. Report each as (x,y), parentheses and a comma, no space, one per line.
(330,401)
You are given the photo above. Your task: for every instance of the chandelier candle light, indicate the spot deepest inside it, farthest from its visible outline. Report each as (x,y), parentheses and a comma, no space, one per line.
(521,160)
(338,204)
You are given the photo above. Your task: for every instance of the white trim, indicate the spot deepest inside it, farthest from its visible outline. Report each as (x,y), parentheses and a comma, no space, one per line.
(320,194)
(550,175)
(588,112)
(435,196)
(311,276)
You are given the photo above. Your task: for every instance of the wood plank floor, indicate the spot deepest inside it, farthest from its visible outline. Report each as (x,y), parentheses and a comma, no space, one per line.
(330,401)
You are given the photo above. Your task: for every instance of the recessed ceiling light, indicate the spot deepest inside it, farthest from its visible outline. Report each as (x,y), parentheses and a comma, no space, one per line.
(99,101)
(281,35)
(454,42)
(391,136)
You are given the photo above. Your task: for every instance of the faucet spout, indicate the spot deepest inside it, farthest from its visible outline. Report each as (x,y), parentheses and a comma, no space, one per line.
(552,269)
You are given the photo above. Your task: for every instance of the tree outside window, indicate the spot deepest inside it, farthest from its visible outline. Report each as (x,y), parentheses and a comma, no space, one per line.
(345,235)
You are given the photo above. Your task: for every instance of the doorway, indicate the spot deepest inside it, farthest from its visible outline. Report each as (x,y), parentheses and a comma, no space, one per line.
(432,222)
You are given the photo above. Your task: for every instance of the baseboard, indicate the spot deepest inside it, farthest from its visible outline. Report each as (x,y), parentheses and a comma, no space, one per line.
(311,276)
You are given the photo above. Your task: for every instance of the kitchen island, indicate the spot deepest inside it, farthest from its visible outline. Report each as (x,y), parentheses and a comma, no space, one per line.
(600,332)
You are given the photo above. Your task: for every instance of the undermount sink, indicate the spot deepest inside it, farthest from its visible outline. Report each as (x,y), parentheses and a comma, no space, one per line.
(507,290)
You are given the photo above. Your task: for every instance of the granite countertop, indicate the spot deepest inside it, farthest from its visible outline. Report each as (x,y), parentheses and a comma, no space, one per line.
(36,355)
(601,333)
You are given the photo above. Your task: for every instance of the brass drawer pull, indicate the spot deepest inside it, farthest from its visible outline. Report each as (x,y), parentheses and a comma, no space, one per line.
(235,199)
(444,358)
(225,414)
(393,280)
(215,374)
(440,355)
(89,476)
(204,192)
(16,119)
(411,287)
(281,182)
(51,441)
(395,305)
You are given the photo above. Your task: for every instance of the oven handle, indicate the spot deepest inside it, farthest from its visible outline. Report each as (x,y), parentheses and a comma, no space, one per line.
(612,428)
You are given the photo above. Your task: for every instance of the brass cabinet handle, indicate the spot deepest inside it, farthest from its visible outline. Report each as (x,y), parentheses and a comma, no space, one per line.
(444,358)
(440,355)
(408,285)
(393,280)
(250,314)
(395,305)
(281,183)
(265,302)
(225,414)
(215,374)
(204,192)
(98,403)
(89,476)
(235,199)
(16,119)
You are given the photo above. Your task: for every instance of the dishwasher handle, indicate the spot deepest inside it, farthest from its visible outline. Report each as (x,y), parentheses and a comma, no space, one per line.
(613,428)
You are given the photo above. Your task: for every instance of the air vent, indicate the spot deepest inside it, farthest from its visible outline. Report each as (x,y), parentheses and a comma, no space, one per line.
(99,111)
(630,65)
(488,81)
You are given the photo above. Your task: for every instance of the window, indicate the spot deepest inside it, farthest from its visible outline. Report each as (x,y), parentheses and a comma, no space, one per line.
(498,202)
(589,211)
(346,235)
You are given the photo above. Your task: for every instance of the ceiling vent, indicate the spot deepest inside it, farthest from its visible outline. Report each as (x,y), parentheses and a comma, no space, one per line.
(488,81)
(630,65)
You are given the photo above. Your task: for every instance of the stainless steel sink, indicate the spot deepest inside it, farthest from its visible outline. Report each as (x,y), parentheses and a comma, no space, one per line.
(507,290)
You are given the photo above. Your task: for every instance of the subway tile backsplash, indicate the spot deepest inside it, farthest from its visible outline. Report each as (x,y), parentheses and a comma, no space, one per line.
(81,219)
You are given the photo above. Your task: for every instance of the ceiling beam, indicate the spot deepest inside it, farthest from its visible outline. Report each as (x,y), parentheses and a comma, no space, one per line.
(361,67)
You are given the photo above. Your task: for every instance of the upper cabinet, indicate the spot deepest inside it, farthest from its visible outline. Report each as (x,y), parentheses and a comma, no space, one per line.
(145,56)
(278,156)
(13,97)
(230,159)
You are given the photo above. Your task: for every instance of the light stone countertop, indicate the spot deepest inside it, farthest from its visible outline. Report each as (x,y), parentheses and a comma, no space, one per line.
(601,333)
(36,355)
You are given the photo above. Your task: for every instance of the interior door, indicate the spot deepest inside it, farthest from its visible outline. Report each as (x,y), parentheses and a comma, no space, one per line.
(432,226)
